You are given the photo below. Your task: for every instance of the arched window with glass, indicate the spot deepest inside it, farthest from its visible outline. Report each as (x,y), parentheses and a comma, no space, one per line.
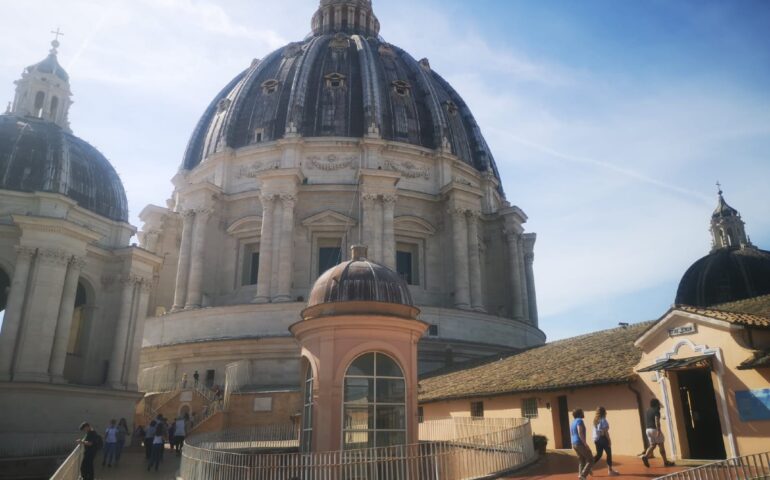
(374,408)
(307,411)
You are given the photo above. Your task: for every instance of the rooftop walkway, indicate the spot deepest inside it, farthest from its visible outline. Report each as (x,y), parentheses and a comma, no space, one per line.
(133,466)
(563,465)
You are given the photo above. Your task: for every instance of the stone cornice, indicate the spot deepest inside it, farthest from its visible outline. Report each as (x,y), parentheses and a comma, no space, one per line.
(140,255)
(64,390)
(55,225)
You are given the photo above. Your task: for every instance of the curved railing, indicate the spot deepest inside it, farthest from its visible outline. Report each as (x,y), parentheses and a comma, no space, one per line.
(461,448)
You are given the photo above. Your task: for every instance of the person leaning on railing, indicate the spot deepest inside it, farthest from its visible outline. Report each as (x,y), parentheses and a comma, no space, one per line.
(90,444)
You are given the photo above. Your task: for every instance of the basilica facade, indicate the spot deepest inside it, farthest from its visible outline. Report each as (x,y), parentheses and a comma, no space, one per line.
(339,139)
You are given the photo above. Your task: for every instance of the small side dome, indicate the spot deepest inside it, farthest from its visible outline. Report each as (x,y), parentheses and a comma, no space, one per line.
(726,275)
(360,280)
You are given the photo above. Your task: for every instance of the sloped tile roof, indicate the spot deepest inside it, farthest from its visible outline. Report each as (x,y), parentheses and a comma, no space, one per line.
(603,357)
(756,305)
(734,317)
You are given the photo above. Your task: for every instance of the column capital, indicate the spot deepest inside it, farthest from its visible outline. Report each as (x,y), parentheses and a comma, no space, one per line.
(23,251)
(511,236)
(54,256)
(266,198)
(188,214)
(457,211)
(288,198)
(369,197)
(389,200)
(78,263)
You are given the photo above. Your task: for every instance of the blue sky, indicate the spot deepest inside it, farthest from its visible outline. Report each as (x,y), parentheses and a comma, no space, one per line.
(610,121)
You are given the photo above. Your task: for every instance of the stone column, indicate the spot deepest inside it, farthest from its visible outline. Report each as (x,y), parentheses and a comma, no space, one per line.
(529,260)
(514,270)
(39,326)
(183,266)
(135,341)
(195,283)
(265,250)
(474,262)
(388,235)
(14,311)
(286,252)
(523,281)
(368,239)
(116,374)
(275,247)
(462,298)
(64,322)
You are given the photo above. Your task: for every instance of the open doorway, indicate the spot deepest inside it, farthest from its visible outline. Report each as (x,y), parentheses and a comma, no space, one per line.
(700,414)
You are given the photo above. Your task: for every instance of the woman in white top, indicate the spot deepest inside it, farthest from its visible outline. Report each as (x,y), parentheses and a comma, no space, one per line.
(602,438)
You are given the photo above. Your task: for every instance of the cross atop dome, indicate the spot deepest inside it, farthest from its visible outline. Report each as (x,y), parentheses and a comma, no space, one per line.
(346,16)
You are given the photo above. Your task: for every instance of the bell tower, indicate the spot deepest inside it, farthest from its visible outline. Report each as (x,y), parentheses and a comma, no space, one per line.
(43,91)
(727,227)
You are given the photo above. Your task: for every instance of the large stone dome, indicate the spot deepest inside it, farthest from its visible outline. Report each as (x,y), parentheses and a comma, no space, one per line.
(342,81)
(40,156)
(725,275)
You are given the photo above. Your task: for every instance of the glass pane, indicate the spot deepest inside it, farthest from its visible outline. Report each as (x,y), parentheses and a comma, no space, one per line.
(362,366)
(307,419)
(386,367)
(390,391)
(387,439)
(359,390)
(358,418)
(356,440)
(307,441)
(404,266)
(254,269)
(391,417)
(328,257)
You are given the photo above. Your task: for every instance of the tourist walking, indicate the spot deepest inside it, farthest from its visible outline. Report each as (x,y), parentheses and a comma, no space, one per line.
(122,434)
(579,444)
(180,431)
(654,433)
(110,444)
(90,443)
(149,436)
(158,442)
(602,439)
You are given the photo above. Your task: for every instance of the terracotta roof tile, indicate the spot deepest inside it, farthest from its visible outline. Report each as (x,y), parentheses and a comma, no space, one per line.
(603,357)
(735,317)
(755,305)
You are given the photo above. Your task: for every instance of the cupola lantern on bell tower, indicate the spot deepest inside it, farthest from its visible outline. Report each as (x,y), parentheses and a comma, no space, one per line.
(727,227)
(43,91)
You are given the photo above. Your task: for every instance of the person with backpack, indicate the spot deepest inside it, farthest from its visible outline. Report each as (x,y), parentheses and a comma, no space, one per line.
(158,442)
(110,444)
(91,442)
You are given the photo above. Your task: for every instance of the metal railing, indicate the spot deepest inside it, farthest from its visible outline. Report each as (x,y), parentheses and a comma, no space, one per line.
(748,467)
(70,468)
(449,449)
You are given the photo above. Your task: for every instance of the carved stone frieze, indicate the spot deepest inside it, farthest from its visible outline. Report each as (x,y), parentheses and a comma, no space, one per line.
(253,170)
(27,252)
(463,181)
(54,256)
(408,169)
(330,163)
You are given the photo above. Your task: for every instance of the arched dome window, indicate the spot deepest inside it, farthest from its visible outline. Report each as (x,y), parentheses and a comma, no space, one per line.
(307,411)
(74,345)
(39,100)
(269,87)
(374,403)
(54,107)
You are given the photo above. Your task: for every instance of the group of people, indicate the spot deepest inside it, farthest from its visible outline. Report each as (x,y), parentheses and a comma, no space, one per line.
(159,432)
(112,443)
(603,443)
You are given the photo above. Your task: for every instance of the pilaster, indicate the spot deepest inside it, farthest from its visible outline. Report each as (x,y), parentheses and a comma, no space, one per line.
(286,252)
(462,299)
(388,234)
(183,266)
(64,321)
(195,282)
(265,250)
(9,335)
(474,262)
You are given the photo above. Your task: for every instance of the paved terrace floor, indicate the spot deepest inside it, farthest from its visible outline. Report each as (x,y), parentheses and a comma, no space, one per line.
(133,466)
(563,465)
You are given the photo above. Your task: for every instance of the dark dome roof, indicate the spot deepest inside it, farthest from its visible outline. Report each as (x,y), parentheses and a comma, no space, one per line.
(50,65)
(359,281)
(36,155)
(726,275)
(340,85)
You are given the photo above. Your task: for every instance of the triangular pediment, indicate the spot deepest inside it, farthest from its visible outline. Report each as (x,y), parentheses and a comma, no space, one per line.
(329,218)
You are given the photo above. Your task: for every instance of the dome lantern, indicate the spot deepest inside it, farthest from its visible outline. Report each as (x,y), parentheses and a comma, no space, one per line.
(43,91)
(727,227)
(345,16)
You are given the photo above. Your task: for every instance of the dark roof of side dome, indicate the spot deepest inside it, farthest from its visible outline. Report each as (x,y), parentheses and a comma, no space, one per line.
(360,280)
(50,65)
(725,275)
(340,85)
(37,155)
